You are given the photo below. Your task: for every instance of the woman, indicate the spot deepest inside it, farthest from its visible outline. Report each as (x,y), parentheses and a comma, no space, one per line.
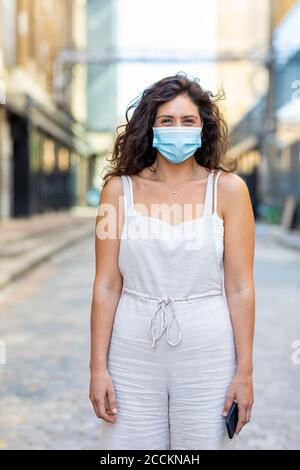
(173,307)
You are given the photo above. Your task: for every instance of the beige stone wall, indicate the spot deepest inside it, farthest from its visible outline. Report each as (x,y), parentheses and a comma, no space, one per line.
(43,28)
(242,30)
(1,48)
(78,93)
(244,26)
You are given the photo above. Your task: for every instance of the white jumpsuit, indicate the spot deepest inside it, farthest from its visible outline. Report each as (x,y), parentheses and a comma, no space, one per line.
(172,353)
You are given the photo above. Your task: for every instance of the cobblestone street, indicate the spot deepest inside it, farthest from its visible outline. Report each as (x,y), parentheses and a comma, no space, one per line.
(45,383)
(45,326)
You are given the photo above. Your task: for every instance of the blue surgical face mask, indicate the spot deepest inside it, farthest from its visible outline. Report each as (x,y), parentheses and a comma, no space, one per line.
(177,143)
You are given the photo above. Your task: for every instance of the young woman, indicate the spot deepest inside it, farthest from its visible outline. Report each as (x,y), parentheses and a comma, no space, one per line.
(173,307)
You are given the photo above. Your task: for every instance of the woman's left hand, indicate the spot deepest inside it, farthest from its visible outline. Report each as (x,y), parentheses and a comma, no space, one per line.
(241,391)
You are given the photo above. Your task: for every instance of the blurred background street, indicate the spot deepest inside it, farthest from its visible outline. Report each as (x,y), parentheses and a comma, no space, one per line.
(45,322)
(68,71)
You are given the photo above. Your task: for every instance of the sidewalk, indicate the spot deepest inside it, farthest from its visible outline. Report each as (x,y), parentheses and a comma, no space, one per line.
(289,238)
(26,242)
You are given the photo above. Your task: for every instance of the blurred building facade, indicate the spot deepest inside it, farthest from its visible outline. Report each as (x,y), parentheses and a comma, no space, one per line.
(265,130)
(101,80)
(242,33)
(44,154)
(94,60)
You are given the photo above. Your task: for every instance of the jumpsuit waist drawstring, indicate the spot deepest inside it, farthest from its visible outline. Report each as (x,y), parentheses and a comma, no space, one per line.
(160,309)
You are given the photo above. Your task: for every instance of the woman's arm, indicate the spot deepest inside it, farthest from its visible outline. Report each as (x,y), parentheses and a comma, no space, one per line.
(106,294)
(239,245)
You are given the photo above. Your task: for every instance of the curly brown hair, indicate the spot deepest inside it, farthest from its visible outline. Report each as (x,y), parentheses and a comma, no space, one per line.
(133,149)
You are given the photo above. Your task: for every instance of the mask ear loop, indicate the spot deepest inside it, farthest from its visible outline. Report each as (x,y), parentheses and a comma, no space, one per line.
(201,132)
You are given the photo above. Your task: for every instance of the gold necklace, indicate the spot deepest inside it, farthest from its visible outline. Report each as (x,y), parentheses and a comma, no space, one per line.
(174,191)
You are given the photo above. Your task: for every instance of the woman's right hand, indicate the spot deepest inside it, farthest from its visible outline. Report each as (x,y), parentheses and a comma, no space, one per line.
(102,395)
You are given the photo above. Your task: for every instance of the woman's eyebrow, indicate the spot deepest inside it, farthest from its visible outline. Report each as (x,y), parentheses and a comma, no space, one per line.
(169,115)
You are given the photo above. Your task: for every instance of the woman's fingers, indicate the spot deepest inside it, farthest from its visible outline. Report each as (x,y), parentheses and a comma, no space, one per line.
(104,411)
(243,417)
(111,401)
(248,414)
(102,396)
(228,403)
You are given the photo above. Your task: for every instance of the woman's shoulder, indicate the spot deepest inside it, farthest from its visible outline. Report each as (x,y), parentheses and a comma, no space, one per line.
(231,183)
(112,184)
(234,192)
(112,189)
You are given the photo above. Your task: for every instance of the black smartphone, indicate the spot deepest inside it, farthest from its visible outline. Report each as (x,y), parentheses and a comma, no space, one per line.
(232,419)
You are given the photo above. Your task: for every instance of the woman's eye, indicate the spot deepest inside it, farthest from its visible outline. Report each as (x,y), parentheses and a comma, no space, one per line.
(187,120)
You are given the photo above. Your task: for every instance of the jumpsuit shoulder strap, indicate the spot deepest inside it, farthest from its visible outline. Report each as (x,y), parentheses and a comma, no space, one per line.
(208,194)
(126,193)
(215,195)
